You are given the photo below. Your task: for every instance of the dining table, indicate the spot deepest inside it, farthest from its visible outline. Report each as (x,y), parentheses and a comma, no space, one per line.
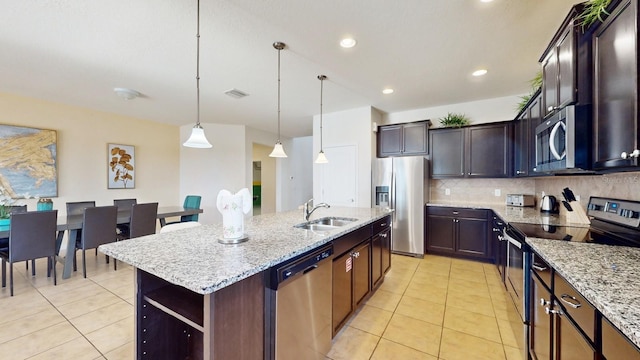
(73,223)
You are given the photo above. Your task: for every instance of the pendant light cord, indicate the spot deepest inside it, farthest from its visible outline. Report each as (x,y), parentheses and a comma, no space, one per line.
(279,50)
(321,77)
(198,69)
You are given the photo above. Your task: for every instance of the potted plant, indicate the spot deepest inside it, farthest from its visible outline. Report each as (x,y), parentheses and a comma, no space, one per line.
(5,203)
(454,120)
(594,10)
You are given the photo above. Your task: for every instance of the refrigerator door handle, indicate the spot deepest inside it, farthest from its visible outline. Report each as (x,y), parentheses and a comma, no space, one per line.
(392,195)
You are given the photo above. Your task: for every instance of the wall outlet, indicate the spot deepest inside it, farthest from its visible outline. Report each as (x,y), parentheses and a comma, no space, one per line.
(497,192)
(447,192)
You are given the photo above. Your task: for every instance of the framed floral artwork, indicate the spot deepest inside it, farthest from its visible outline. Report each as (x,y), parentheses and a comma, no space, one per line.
(121,166)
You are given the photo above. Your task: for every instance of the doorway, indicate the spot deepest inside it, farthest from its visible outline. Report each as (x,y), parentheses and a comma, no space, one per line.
(264,180)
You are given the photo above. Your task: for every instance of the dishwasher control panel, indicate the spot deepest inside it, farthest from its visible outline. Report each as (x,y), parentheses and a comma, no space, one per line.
(302,264)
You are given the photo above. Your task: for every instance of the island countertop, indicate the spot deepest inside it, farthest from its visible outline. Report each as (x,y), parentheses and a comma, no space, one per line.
(607,276)
(194,259)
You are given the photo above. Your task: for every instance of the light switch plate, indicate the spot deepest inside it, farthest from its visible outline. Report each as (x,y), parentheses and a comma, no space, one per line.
(447,191)
(497,192)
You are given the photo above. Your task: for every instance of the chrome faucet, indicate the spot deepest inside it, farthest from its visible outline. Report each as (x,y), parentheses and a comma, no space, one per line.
(309,204)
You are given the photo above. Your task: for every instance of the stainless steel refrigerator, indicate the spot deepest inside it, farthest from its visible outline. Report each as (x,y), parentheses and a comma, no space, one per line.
(402,183)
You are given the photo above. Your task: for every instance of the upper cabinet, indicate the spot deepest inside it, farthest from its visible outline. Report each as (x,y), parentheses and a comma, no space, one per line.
(473,151)
(616,132)
(403,139)
(566,66)
(524,129)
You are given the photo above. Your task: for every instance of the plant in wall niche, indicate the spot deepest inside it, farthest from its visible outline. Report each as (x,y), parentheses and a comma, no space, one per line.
(454,120)
(594,10)
(121,167)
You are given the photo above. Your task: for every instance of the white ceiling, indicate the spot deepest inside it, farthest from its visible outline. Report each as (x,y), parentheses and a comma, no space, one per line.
(76,52)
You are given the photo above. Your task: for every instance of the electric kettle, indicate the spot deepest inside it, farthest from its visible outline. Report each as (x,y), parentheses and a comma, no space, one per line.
(549,204)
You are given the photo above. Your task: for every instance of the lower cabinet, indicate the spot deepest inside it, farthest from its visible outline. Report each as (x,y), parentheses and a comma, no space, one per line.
(380,251)
(563,325)
(351,282)
(458,231)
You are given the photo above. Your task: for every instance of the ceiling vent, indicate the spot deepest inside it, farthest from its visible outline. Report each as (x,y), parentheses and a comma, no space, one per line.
(235,93)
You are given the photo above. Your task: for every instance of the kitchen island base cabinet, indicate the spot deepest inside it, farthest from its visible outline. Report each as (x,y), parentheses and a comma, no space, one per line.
(615,345)
(173,322)
(351,283)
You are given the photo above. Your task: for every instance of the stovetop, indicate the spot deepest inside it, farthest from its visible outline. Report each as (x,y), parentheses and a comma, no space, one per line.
(613,222)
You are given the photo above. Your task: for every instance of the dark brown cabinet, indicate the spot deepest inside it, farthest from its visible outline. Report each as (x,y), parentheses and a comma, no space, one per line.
(566,65)
(615,345)
(459,232)
(474,151)
(403,139)
(380,250)
(616,131)
(524,126)
(351,283)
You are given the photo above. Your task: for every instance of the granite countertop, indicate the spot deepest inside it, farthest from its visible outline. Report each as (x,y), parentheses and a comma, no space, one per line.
(607,276)
(193,258)
(516,214)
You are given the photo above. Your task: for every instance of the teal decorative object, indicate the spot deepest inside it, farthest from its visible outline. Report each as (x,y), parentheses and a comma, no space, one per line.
(44,205)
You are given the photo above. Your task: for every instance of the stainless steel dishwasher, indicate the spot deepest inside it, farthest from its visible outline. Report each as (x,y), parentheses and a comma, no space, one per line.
(298,299)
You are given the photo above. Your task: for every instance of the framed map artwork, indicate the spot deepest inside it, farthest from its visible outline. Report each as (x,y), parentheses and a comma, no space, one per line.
(28,162)
(121,166)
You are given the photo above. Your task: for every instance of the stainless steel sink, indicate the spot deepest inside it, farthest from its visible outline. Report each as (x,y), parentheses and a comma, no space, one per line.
(334,221)
(325,224)
(315,227)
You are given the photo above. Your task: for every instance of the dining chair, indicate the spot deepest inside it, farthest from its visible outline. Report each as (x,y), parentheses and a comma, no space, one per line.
(142,222)
(124,204)
(177,226)
(32,236)
(190,202)
(98,227)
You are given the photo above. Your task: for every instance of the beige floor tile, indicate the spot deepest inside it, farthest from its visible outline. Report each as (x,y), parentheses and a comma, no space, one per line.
(421,310)
(39,341)
(389,350)
(425,292)
(514,353)
(436,259)
(471,323)
(477,290)
(76,349)
(458,264)
(395,285)
(416,334)
(431,279)
(384,300)
(371,319)
(353,344)
(460,346)
(435,268)
(88,304)
(22,305)
(470,302)
(468,275)
(68,293)
(507,333)
(112,336)
(124,352)
(29,324)
(114,282)
(102,317)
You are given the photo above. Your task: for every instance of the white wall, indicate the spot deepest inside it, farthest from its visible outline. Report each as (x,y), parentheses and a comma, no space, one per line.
(479,112)
(349,127)
(299,182)
(83,135)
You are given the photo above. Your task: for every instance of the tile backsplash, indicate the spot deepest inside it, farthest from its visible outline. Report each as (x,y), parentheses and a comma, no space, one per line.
(618,185)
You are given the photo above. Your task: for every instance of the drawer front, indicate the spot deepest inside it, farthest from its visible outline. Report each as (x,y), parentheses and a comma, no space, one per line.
(458,212)
(576,306)
(542,269)
(381,225)
(350,240)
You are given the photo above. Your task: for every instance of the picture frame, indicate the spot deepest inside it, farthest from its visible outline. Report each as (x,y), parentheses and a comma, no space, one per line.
(121,166)
(28,162)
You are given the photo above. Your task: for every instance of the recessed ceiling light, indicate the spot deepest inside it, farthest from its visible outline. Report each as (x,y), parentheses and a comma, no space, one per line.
(348,42)
(479,72)
(387,91)
(486,1)
(127,94)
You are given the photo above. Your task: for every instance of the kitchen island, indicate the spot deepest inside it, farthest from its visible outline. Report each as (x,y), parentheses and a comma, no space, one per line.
(197,297)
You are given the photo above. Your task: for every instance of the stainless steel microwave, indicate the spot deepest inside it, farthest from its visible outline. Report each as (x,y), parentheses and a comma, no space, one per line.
(563,141)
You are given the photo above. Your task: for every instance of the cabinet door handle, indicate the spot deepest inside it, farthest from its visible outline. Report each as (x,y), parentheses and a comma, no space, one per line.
(383,235)
(455,213)
(544,302)
(570,300)
(539,267)
(550,311)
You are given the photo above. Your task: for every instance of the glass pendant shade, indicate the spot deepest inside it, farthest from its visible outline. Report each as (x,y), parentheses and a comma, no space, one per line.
(197,139)
(278,151)
(321,159)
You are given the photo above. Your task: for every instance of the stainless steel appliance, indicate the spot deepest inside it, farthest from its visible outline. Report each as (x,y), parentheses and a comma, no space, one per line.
(563,141)
(299,297)
(402,183)
(549,204)
(520,200)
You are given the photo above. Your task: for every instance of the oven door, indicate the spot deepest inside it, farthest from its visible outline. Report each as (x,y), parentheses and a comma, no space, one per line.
(515,273)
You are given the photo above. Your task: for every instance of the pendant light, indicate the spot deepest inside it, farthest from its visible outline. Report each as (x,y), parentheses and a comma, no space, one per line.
(197,138)
(321,159)
(278,150)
